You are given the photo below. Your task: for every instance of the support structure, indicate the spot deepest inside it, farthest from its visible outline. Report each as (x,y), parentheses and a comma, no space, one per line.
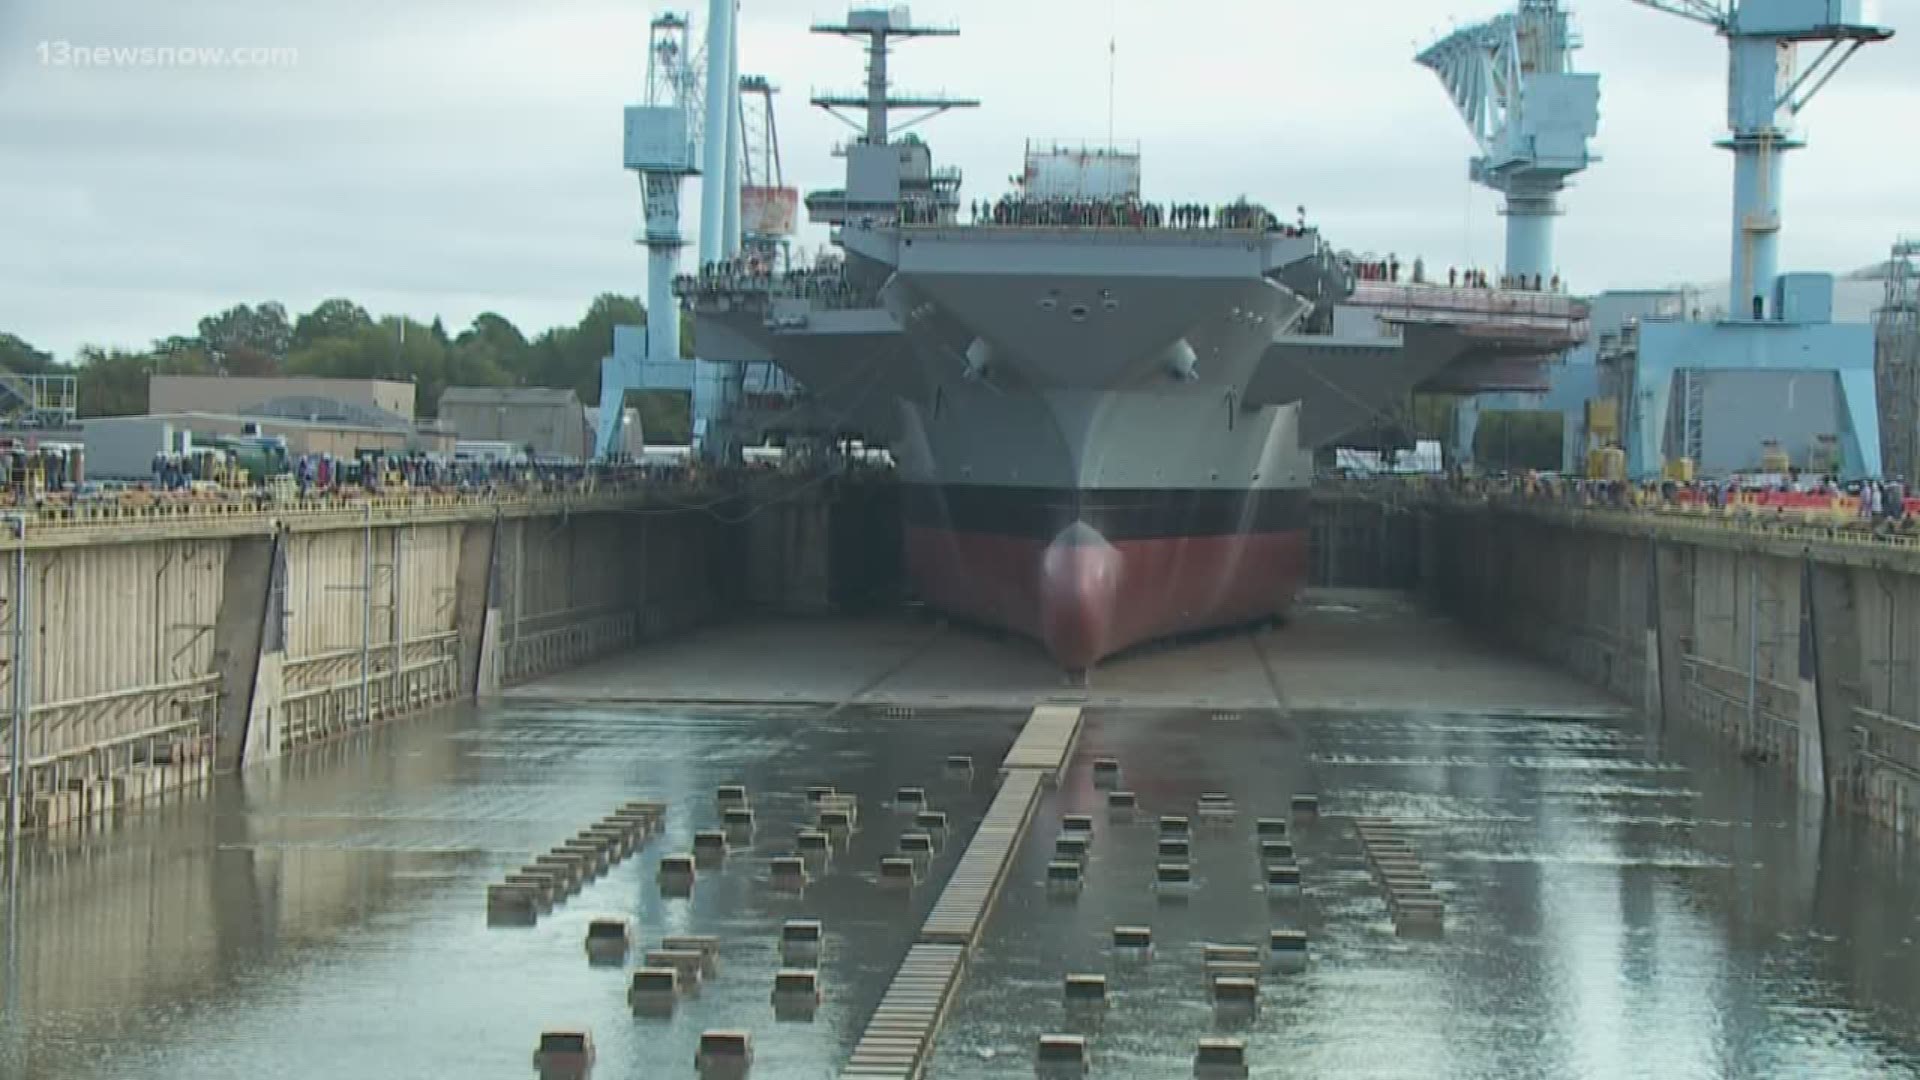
(719,110)
(1897,360)
(768,207)
(730,189)
(1767,88)
(1530,115)
(882,174)
(1779,327)
(660,147)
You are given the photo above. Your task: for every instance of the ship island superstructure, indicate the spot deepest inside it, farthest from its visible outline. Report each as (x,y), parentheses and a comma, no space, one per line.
(1103,410)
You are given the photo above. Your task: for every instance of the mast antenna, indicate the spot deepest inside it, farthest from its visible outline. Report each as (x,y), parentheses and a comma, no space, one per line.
(1113,49)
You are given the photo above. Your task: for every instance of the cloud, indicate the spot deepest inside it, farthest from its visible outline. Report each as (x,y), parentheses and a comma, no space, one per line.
(451,156)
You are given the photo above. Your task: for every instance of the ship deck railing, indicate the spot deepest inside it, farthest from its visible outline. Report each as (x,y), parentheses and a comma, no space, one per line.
(1446,303)
(826,292)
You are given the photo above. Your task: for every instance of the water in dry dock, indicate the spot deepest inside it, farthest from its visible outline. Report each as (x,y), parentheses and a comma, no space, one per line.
(1614,909)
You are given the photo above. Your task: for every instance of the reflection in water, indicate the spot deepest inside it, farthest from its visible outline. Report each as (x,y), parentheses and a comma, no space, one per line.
(1615,907)
(325,918)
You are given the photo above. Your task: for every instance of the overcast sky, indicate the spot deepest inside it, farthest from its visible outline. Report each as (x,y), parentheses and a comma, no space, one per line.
(453,156)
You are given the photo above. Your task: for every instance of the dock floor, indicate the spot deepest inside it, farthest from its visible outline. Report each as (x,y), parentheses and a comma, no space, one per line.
(1617,902)
(1344,651)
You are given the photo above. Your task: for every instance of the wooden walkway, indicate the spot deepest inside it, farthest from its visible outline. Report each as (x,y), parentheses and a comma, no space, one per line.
(1046,742)
(961,911)
(900,1033)
(899,1037)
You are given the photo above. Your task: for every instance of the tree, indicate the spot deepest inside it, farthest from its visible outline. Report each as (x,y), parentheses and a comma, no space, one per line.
(491,352)
(496,331)
(666,416)
(1433,416)
(23,359)
(345,356)
(569,357)
(252,337)
(418,355)
(337,317)
(179,355)
(339,339)
(113,382)
(1517,441)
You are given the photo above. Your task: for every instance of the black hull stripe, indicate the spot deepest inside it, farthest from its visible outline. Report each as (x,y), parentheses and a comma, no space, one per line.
(1117,514)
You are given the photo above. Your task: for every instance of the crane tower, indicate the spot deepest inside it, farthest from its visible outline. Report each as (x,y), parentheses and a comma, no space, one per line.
(1530,115)
(1767,88)
(1742,376)
(659,144)
(768,206)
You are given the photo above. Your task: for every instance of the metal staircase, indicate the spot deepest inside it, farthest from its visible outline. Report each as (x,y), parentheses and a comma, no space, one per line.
(1897,360)
(40,401)
(1693,417)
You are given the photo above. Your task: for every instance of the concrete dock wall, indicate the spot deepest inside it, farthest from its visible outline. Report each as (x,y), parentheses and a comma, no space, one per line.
(1361,542)
(163,651)
(1798,656)
(834,547)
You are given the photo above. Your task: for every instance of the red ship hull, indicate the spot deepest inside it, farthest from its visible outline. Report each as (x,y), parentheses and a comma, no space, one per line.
(1090,576)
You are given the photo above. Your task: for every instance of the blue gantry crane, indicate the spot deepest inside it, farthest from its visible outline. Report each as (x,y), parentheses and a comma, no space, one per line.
(1531,116)
(661,143)
(681,131)
(1767,89)
(1778,327)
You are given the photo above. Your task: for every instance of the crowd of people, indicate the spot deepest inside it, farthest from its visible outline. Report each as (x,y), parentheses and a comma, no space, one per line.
(1389,269)
(319,474)
(324,475)
(1128,213)
(1798,497)
(350,481)
(825,284)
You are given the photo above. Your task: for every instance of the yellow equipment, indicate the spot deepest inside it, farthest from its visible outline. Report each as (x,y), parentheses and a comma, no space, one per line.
(1603,420)
(1607,463)
(1679,470)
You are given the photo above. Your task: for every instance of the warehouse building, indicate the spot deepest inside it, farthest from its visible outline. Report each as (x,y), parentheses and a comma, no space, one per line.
(122,447)
(361,403)
(551,422)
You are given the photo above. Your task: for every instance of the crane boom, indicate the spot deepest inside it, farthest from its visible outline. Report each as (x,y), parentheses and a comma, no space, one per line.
(1530,117)
(1767,89)
(1700,11)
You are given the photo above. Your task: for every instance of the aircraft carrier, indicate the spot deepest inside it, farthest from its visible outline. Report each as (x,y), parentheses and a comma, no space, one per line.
(1103,411)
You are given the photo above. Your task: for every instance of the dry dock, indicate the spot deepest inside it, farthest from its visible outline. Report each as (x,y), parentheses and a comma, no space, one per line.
(1600,880)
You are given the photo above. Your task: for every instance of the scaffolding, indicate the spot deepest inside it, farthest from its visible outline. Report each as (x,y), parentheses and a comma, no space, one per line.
(769,208)
(40,401)
(1897,360)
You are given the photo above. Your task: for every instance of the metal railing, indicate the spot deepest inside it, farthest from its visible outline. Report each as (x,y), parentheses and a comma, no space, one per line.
(1434,303)
(1838,521)
(245,512)
(40,400)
